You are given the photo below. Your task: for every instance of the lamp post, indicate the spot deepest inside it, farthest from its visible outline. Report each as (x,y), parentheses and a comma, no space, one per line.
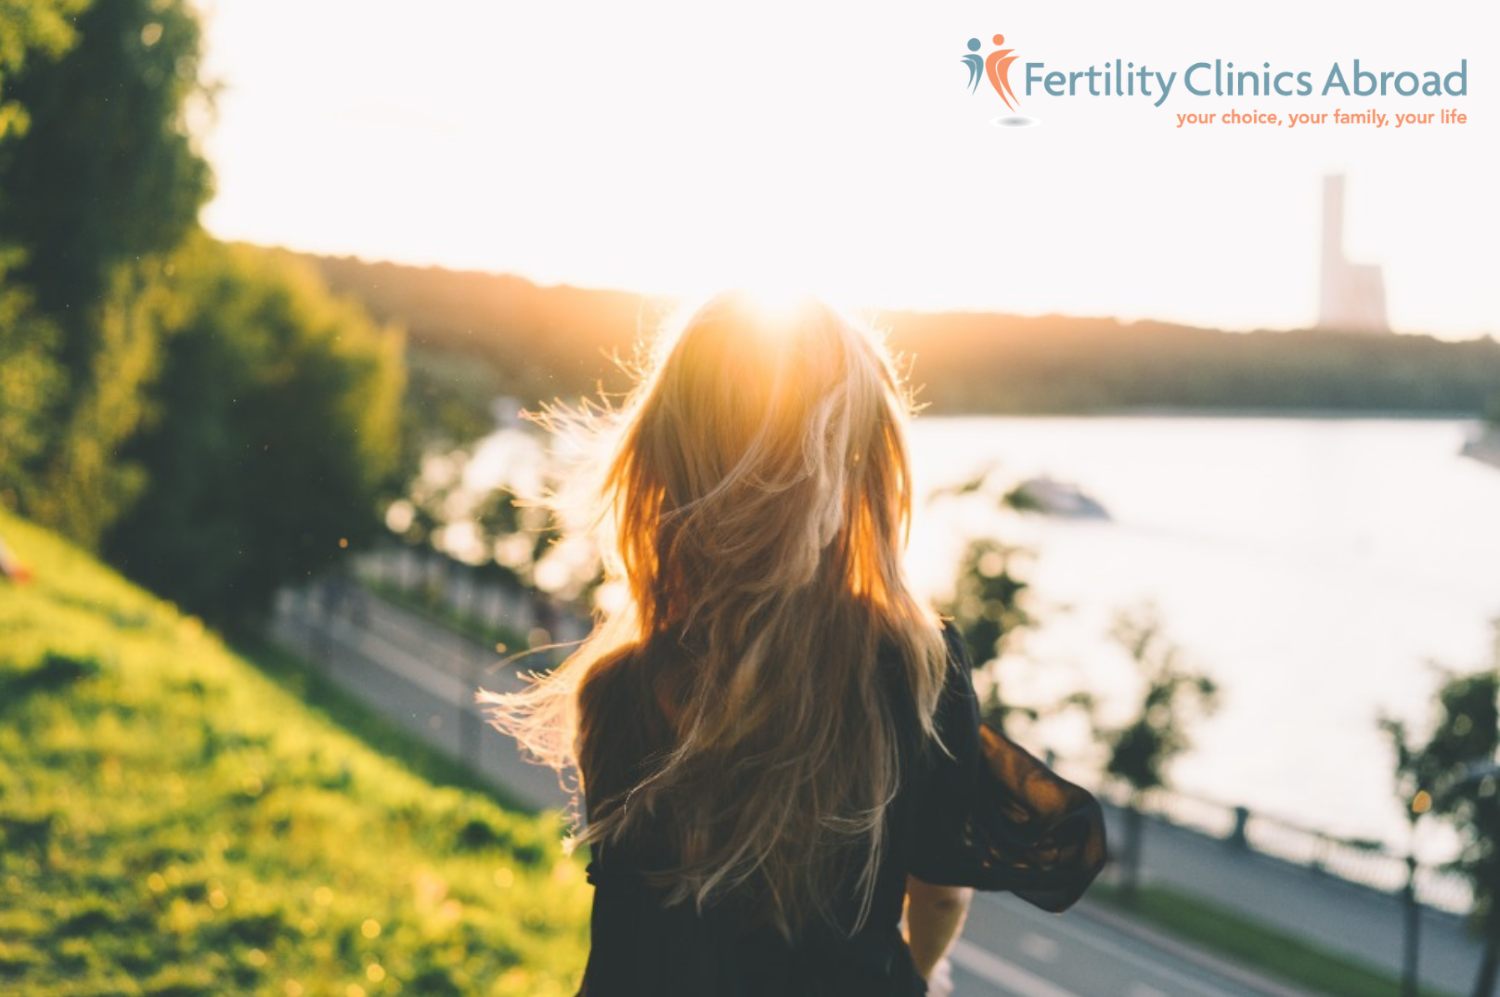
(1421,802)
(1409,980)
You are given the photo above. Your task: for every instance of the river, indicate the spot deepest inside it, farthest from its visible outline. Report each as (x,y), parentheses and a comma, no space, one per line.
(1314,567)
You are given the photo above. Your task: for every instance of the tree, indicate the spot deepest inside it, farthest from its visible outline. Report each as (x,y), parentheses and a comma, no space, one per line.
(30,30)
(987,608)
(1173,697)
(517,533)
(101,180)
(272,432)
(1455,776)
(448,404)
(29,379)
(106,169)
(988,605)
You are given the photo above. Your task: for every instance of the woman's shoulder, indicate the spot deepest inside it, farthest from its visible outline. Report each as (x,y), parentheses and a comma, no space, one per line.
(954,645)
(639,681)
(955,713)
(958,672)
(957,646)
(624,711)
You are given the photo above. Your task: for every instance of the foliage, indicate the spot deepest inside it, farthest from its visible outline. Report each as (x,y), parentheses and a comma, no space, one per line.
(1455,776)
(548,341)
(29,377)
(272,433)
(537,343)
(101,183)
(1172,698)
(447,404)
(29,30)
(519,532)
(210,417)
(173,821)
(988,595)
(513,528)
(85,483)
(107,171)
(989,601)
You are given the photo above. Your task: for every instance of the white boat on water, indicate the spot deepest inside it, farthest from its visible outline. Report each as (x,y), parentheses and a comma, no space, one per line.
(1484,445)
(1055,498)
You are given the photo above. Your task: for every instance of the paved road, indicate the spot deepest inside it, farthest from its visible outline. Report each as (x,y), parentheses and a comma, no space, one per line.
(423,677)
(1009,947)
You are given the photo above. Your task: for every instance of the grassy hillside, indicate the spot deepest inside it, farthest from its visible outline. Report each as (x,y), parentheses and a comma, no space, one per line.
(174,820)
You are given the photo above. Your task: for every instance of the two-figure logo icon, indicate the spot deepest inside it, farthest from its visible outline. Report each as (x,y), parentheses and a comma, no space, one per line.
(996,66)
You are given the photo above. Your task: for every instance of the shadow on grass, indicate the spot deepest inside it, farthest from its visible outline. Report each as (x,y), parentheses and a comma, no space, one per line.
(53,673)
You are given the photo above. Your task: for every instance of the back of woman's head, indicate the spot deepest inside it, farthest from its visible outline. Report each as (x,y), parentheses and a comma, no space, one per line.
(754,508)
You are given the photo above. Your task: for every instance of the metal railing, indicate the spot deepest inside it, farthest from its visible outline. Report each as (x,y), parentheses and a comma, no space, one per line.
(488,600)
(1370,864)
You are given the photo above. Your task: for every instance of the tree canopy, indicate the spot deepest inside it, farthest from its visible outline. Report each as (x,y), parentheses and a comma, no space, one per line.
(272,429)
(209,416)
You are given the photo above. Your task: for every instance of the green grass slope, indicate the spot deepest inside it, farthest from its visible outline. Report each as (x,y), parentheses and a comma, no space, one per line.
(174,820)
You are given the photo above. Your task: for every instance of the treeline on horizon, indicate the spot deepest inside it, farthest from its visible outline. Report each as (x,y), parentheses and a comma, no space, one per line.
(541,342)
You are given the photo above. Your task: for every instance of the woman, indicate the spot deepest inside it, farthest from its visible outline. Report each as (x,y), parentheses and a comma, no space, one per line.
(778,744)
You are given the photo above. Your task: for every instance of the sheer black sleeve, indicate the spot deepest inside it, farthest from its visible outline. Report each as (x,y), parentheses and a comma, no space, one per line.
(995,818)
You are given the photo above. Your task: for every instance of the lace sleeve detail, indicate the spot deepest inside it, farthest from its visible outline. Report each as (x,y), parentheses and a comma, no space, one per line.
(996,818)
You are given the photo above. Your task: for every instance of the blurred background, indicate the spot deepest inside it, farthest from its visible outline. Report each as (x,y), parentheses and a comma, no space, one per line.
(1208,464)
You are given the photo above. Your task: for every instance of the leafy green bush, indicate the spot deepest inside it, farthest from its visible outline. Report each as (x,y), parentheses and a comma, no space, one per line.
(274,429)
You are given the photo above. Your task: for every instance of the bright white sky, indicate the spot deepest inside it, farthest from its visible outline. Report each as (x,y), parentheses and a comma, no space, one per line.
(674,147)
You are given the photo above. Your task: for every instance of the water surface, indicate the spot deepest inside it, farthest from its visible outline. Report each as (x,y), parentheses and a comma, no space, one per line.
(1313,566)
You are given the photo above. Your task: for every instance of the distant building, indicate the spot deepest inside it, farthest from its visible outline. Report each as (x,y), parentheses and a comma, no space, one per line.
(1352,295)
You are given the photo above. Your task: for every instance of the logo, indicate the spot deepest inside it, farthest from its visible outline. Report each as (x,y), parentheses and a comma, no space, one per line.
(995,66)
(1119,77)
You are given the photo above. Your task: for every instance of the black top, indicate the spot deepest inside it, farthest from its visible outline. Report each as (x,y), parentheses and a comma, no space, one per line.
(992,817)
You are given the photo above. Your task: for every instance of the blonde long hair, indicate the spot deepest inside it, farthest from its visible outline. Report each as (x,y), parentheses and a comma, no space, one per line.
(753,508)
